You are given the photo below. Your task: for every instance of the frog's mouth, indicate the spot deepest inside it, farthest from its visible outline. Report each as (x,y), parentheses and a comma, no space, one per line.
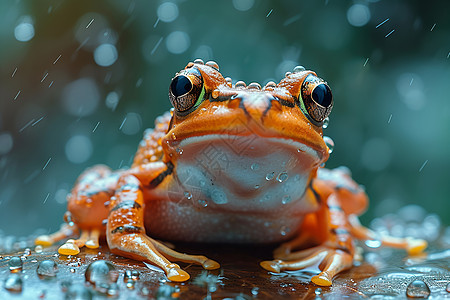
(247,173)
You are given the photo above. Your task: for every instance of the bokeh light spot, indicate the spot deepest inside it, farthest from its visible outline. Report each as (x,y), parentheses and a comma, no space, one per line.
(167,12)
(133,124)
(80,97)
(358,15)
(243,5)
(112,100)
(6,142)
(178,42)
(24,31)
(105,55)
(78,149)
(376,154)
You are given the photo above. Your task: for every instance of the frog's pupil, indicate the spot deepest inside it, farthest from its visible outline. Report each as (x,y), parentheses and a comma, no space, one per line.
(180,85)
(322,95)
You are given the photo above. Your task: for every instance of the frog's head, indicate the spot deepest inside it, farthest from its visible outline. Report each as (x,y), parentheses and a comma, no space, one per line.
(253,125)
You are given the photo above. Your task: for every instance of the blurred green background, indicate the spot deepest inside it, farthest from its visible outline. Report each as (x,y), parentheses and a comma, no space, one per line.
(81,80)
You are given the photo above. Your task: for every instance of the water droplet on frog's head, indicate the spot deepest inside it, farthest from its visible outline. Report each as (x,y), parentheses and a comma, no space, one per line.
(13,283)
(254,166)
(286,199)
(418,289)
(270,176)
(78,291)
(15,264)
(326,122)
(283,176)
(47,269)
(101,271)
(330,143)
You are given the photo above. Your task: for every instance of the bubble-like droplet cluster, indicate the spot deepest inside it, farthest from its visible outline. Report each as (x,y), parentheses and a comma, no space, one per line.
(418,289)
(47,269)
(15,264)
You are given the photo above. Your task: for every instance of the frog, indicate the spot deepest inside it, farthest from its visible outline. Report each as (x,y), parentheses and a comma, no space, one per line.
(229,163)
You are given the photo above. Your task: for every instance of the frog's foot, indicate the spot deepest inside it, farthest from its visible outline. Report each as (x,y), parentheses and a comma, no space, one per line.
(331,261)
(64,232)
(126,236)
(88,238)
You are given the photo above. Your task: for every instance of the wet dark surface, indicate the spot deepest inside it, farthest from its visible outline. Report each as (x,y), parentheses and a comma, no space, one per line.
(240,277)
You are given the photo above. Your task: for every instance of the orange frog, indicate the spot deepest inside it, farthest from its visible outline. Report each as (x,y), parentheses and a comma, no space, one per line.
(230,163)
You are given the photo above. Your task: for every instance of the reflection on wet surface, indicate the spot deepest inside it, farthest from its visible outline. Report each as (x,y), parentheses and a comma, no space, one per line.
(97,273)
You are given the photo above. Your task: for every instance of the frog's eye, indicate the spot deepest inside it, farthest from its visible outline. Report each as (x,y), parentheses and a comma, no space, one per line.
(186,90)
(317,99)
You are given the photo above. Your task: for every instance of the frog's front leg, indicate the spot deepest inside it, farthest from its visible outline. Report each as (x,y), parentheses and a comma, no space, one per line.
(330,228)
(126,232)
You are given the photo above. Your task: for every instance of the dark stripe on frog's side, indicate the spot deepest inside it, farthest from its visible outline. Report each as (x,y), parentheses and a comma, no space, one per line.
(155,182)
(316,195)
(126,204)
(127,229)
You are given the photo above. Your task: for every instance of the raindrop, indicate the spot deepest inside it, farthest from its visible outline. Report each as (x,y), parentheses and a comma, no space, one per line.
(243,5)
(167,12)
(101,271)
(105,55)
(188,195)
(270,176)
(286,199)
(78,291)
(326,122)
(111,101)
(254,166)
(358,15)
(418,289)
(78,149)
(6,143)
(24,31)
(284,230)
(202,202)
(13,283)
(15,264)
(330,143)
(47,269)
(177,42)
(283,176)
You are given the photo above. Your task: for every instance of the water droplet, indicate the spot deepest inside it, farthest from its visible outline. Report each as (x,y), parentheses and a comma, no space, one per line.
(286,199)
(256,186)
(448,287)
(330,143)
(283,176)
(254,166)
(131,275)
(179,151)
(47,269)
(78,291)
(318,291)
(373,243)
(255,291)
(188,195)
(202,202)
(284,230)
(418,289)
(113,290)
(326,122)
(15,264)
(27,252)
(101,271)
(13,283)
(270,176)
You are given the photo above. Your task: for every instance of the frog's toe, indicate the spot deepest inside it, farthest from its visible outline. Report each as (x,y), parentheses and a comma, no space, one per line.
(322,279)
(210,264)
(175,273)
(271,265)
(415,246)
(69,248)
